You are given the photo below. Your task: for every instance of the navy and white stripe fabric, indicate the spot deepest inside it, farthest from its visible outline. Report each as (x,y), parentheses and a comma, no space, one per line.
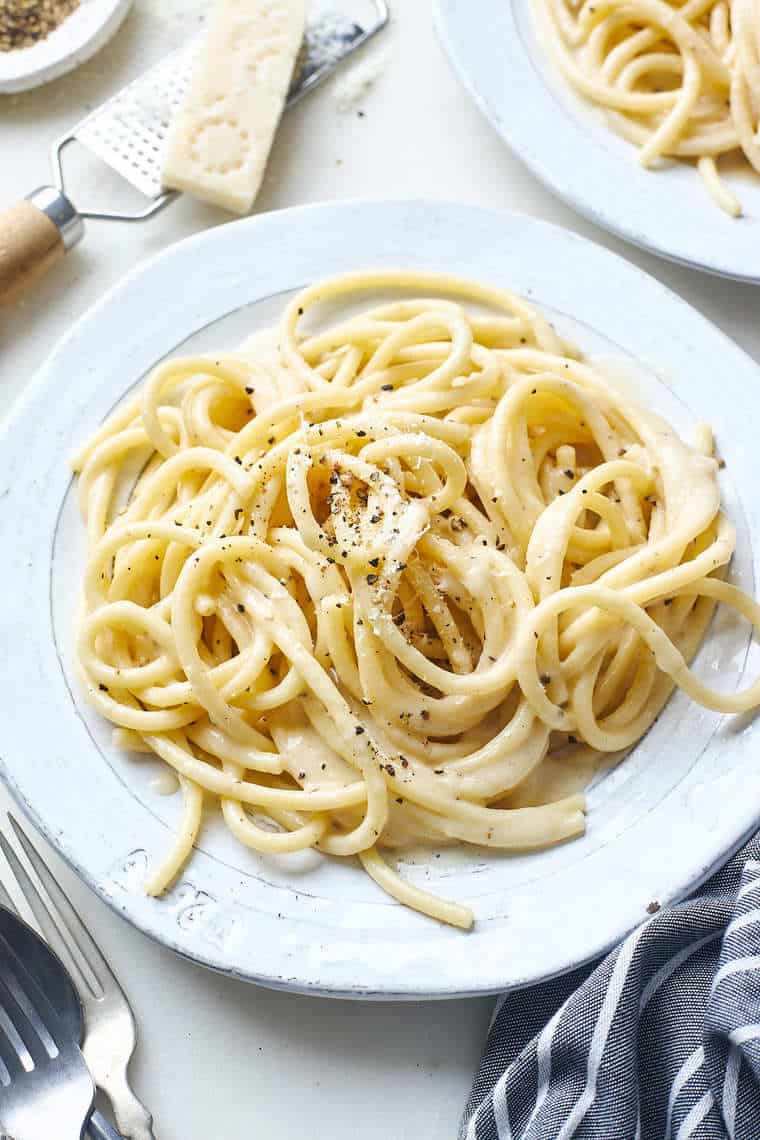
(658,1041)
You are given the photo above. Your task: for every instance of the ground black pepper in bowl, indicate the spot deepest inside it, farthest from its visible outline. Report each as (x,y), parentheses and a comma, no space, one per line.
(24,23)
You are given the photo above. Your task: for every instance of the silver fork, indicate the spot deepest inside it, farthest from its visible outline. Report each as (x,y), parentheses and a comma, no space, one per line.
(45,1086)
(110,1031)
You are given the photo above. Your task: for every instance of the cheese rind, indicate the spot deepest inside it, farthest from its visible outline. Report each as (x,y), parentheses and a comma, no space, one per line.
(220,139)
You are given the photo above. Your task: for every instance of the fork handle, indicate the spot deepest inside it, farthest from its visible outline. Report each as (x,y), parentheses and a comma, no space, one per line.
(34,235)
(100,1128)
(132,1117)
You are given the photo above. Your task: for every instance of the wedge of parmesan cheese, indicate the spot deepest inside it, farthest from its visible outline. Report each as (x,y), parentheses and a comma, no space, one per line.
(220,139)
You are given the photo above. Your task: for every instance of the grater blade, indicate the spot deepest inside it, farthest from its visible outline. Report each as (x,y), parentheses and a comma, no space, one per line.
(128,131)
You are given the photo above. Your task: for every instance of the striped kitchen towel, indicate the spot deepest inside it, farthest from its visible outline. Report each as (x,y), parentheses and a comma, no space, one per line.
(658,1041)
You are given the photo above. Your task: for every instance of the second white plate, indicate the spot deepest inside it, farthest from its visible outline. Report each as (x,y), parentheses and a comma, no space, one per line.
(495,49)
(686,796)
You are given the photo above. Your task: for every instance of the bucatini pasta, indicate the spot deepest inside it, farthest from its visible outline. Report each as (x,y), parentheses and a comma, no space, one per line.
(410,577)
(678,80)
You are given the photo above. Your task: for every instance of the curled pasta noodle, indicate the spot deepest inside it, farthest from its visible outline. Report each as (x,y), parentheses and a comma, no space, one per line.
(680,80)
(408,578)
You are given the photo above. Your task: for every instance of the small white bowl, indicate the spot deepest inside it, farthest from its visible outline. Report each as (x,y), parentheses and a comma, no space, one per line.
(76,38)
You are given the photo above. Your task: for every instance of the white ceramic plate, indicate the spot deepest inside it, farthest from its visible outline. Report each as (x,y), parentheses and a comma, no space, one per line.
(566,142)
(75,40)
(688,794)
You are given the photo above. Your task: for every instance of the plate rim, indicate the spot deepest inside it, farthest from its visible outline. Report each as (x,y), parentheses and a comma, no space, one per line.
(38,384)
(444,17)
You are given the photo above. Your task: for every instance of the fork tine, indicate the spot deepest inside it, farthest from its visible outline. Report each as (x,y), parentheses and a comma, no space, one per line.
(5,1072)
(22,1023)
(79,937)
(25,991)
(7,901)
(24,1012)
(64,947)
(25,914)
(18,905)
(14,1055)
(27,987)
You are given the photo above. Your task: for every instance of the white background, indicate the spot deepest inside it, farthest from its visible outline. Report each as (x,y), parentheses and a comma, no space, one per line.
(219,1058)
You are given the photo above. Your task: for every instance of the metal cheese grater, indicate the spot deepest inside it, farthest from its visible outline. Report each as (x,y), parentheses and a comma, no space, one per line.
(127,132)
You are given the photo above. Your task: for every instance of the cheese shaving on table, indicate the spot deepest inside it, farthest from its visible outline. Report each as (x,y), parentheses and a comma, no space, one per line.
(350,89)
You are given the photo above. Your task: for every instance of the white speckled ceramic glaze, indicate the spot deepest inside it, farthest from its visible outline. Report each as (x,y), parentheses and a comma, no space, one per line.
(75,40)
(495,47)
(686,797)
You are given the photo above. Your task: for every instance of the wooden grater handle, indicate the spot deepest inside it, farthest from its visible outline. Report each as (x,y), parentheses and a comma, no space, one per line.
(34,235)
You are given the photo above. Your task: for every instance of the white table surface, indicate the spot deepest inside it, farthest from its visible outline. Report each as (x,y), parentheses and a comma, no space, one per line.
(219,1058)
